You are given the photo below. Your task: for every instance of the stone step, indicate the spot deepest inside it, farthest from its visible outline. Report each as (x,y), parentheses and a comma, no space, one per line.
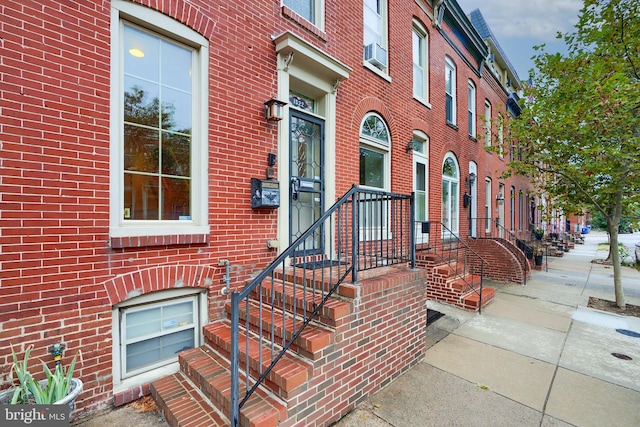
(289,373)
(311,341)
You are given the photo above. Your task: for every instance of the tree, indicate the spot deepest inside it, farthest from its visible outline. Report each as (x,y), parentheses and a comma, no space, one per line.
(579,134)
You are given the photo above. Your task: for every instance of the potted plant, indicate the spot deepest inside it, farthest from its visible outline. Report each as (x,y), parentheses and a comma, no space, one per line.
(538,233)
(58,387)
(538,253)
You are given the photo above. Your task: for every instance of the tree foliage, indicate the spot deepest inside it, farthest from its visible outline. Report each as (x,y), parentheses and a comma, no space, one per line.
(579,132)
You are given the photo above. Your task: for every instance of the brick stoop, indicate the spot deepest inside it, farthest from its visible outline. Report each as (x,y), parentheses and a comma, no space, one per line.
(355,347)
(446,285)
(200,394)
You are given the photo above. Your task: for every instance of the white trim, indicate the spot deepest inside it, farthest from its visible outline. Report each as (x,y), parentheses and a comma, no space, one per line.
(423,35)
(165,26)
(120,384)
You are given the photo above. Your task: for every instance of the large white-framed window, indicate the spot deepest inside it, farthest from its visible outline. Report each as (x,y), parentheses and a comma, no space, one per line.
(421,182)
(311,10)
(150,330)
(375,143)
(450,193)
(450,91)
(159,149)
(376,47)
(420,63)
(471,109)
(487,123)
(487,204)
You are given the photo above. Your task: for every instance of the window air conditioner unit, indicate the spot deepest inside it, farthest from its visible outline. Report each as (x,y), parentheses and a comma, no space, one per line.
(375,55)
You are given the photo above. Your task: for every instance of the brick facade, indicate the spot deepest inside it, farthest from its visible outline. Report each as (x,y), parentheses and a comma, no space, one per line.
(62,272)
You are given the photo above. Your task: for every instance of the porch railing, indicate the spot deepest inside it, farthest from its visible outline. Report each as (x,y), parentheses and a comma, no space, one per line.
(466,263)
(494,230)
(364,229)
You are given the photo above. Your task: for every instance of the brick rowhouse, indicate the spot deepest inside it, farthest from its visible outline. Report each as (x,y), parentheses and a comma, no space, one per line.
(72,265)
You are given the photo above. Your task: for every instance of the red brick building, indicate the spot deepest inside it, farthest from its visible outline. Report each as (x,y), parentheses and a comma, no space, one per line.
(131,130)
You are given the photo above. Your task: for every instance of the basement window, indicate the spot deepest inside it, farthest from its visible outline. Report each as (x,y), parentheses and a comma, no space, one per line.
(151,330)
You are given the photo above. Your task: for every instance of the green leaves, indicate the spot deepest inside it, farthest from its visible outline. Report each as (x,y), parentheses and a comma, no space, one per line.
(54,388)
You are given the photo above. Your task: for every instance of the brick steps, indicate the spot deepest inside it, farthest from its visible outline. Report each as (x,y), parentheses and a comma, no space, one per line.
(191,397)
(183,405)
(462,291)
(282,324)
(289,373)
(283,295)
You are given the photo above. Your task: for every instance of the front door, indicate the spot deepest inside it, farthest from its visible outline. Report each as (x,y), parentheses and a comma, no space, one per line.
(306,173)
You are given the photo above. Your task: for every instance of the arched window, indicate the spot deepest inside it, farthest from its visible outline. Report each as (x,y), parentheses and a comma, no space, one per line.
(450,193)
(374,152)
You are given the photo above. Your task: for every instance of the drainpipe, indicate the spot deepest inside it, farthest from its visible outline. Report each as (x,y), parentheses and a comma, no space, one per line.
(227,276)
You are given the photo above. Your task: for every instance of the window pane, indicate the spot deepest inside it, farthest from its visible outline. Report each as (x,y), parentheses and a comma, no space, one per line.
(143,322)
(141,54)
(303,8)
(158,349)
(176,155)
(175,199)
(141,104)
(449,108)
(176,66)
(140,149)
(141,197)
(374,127)
(371,168)
(421,177)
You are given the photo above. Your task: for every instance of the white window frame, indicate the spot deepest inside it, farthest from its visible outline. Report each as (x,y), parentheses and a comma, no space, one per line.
(379,31)
(454,196)
(317,6)
(500,135)
(383,147)
(162,26)
(421,156)
(420,44)
(123,382)
(487,123)
(471,116)
(487,203)
(450,90)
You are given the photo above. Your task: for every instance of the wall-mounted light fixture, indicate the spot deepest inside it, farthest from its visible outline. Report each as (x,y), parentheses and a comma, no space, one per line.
(274,110)
(470,179)
(412,145)
(499,199)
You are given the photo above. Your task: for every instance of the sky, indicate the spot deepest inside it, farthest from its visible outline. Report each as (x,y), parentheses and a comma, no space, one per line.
(521,24)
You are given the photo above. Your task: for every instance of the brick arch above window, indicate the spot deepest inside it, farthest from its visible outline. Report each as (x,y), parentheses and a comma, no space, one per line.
(373,105)
(185,13)
(159,278)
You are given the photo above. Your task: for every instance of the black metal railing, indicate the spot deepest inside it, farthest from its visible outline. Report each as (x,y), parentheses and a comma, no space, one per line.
(518,241)
(467,265)
(363,230)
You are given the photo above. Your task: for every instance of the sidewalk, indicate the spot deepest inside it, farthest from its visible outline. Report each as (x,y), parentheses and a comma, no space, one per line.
(537,356)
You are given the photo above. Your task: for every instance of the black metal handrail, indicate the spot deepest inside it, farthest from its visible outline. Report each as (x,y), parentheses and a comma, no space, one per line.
(458,256)
(364,229)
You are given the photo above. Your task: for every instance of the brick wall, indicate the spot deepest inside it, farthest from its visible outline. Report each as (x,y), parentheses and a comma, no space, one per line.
(58,266)
(380,340)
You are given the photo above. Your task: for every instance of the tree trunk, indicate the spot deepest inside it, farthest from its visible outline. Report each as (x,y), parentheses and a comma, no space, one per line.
(614,252)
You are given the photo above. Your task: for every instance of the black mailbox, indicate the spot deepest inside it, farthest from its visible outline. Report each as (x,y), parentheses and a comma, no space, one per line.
(265,193)
(426,227)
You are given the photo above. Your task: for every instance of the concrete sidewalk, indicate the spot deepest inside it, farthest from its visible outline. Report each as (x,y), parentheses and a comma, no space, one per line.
(537,356)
